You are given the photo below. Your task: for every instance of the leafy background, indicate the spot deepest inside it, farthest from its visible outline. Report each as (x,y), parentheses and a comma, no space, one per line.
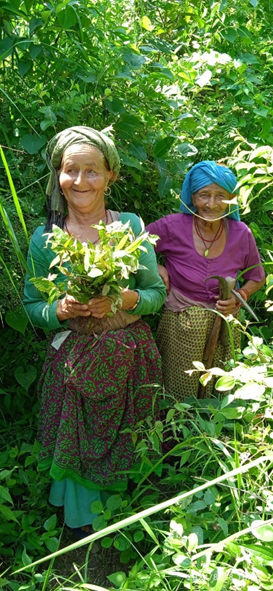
(173,82)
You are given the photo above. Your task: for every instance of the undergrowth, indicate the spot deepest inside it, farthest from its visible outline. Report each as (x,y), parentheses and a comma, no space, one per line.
(199,516)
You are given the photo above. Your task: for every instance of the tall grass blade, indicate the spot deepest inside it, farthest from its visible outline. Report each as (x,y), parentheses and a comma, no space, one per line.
(14,194)
(146,512)
(13,238)
(15,106)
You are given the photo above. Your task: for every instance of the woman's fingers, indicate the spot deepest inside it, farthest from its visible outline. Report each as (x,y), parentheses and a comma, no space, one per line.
(227,307)
(98,307)
(69,307)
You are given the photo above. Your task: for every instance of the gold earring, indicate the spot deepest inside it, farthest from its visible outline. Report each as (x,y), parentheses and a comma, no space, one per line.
(107,191)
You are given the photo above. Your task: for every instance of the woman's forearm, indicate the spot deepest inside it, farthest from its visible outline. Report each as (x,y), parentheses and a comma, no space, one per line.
(252,286)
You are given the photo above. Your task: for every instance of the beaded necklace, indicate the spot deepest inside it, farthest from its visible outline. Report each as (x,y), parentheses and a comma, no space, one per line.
(204,240)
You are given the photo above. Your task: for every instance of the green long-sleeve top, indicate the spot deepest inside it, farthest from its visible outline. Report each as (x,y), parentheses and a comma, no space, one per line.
(146,281)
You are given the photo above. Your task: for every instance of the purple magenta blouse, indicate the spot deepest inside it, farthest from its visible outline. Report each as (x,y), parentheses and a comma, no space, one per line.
(187,268)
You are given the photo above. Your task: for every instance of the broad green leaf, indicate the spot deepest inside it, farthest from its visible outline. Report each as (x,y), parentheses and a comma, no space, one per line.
(229,34)
(146,23)
(118,579)
(24,67)
(52,544)
(244,33)
(199,365)
(196,506)
(186,149)
(263,531)
(185,455)
(187,122)
(95,272)
(233,413)
(138,151)
(218,578)
(128,161)
(35,50)
(50,523)
(134,60)
(262,552)
(7,513)
(90,78)
(164,185)
(204,79)
(25,377)
(250,391)
(33,143)
(259,152)
(4,495)
(114,502)
(97,507)
(209,497)
(17,319)
(225,383)
(99,523)
(34,23)
(192,542)
(107,542)
(67,17)
(6,47)
(115,106)
(26,560)
(224,525)
(163,146)
(138,536)
(185,76)
(181,560)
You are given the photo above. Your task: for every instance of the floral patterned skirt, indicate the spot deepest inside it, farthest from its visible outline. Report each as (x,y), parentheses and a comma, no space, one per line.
(93,391)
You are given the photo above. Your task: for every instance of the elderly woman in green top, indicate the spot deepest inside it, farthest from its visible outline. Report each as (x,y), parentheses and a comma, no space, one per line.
(93,390)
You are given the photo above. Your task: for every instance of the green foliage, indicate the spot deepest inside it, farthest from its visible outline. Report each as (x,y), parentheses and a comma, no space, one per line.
(174,83)
(94,270)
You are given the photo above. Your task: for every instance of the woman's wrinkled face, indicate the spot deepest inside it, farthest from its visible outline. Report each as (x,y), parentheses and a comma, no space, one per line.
(84,178)
(210,201)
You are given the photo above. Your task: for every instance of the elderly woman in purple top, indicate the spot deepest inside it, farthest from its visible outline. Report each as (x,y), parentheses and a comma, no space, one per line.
(207,238)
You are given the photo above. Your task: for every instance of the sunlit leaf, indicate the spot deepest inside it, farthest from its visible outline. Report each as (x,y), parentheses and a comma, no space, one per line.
(146,23)
(204,79)
(262,531)
(225,383)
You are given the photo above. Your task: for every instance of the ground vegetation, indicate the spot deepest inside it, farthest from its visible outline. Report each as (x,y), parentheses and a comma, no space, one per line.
(173,83)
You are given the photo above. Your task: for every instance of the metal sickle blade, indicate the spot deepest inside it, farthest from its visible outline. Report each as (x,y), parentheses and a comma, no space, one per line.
(244,304)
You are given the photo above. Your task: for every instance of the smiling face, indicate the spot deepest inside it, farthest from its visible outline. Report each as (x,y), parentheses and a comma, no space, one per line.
(210,201)
(83,178)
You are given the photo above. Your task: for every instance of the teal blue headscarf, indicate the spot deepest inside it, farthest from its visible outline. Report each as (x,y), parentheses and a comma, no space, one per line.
(203,174)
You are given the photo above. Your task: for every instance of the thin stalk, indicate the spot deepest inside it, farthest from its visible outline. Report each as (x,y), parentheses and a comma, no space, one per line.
(14,195)
(22,115)
(13,239)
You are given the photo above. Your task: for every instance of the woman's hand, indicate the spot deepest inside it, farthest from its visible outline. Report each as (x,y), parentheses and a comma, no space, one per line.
(129,299)
(69,307)
(99,307)
(227,307)
(162,271)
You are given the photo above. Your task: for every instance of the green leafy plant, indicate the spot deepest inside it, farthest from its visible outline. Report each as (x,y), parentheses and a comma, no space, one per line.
(94,270)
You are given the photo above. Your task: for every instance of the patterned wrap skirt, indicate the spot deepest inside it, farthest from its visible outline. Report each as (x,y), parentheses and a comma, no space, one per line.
(181,339)
(93,391)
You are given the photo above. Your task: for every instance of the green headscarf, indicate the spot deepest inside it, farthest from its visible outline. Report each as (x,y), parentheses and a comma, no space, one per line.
(54,153)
